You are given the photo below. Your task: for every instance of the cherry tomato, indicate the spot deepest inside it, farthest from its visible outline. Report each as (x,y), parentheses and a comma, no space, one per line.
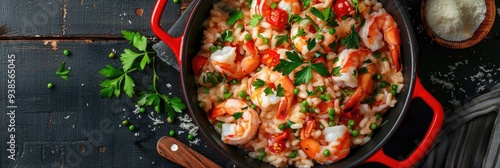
(198,63)
(342,8)
(277,18)
(320,59)
(277,142)
(270,58)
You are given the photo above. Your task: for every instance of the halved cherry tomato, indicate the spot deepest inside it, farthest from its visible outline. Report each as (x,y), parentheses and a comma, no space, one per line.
(270,58)
(320,59)
(277,18)
(342,8)
(277,142)
(198,63)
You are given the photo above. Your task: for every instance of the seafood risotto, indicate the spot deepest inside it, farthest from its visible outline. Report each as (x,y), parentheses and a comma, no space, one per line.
(298,83)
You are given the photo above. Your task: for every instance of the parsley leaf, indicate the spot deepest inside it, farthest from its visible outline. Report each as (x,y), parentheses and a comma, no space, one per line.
(320,68)
(294,18)
(62,71)
(336,71)
(306,2)
(233,17)
(352,40)
(303,76)
(317,13)
(118,80)
(226,36)
(311,43)
(281,39)
(287,67)
(258,83)
(268,91)
(300,32)
(280,91)
(237,115)
(256,18)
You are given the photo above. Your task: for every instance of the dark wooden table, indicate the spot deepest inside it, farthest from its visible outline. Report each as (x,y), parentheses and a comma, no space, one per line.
(71,126)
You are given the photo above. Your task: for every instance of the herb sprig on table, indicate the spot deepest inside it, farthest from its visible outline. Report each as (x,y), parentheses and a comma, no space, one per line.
(137,59)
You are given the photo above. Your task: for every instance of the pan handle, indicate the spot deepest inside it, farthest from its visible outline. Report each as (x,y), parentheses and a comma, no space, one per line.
(174,43)
(427,141)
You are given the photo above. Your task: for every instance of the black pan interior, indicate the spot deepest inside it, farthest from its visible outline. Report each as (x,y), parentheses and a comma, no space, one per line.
(392,119)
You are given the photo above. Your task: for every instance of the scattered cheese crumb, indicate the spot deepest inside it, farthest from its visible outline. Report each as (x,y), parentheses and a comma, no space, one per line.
(156,121)
(66,117)
(169,85)
(137,109)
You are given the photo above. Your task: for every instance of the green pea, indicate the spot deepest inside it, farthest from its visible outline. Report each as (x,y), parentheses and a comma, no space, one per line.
(202,104)
(394,87)
(355,133)
(382,84)
(176,1)
(378,116)
(171,133)
(234,81)
(247,98)
(320,37)
(331,30)
(304,103)
(331,123)
(296,91)
(293,154)
(111,55)
(373,126)
(206,90)
(326,153)
(393,92)
(142,110)
(385,59)
(331,112)
(259,69)
(253,106)
(240,26)
(248,37)
(219,124)
(377,77)
(351,122)
(131,127)
(242,94)
(303,109)
(190,137)
(274,5)
(50,85)
(66,52)
(266,40)
(282,126)
(125,122)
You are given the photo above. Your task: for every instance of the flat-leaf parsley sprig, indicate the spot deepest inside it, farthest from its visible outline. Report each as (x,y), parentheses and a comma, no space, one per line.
(137,59)
(305,74)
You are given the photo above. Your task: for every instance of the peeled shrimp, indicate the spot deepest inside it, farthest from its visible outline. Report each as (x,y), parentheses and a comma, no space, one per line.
(381,28)
(337,141)
(225,61)
(236,131)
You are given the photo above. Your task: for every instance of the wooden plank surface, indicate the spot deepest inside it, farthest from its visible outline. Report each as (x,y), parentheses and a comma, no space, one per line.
(81,18)
(70,126)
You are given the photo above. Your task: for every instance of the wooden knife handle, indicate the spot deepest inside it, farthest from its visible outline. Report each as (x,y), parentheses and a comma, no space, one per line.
(175,151)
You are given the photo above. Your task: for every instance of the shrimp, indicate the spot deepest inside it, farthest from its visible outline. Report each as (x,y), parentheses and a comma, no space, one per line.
(281,96)
(240,122)
(227,61)
(291,6)
(381,25)
(362,63)
(304,30)
(338,144)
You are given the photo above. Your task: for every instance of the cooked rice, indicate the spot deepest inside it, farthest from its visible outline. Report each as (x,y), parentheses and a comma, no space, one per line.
(236,81)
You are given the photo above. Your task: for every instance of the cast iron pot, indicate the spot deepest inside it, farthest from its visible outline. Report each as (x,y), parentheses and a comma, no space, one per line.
(187,45)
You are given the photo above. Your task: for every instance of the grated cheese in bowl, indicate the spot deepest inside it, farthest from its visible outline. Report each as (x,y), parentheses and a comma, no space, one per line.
(455,20)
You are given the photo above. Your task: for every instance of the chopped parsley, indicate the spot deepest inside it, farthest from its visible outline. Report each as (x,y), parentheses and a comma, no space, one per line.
(281,39)
(256,18)
(233,17)
(305,74)
(352,40)
(237,115)
(62,71)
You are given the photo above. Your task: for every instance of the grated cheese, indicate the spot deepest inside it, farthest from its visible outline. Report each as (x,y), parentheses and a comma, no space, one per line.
(454,20)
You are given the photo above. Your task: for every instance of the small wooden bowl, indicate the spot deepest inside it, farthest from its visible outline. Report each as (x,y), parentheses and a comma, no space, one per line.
(479,34)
